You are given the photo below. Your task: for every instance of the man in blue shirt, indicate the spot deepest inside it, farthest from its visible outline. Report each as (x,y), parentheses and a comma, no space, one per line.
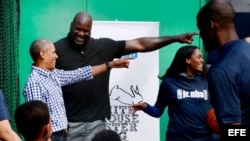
(45,82)
(228,77)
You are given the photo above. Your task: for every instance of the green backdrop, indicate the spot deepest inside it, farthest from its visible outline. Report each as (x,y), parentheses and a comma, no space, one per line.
(51,19)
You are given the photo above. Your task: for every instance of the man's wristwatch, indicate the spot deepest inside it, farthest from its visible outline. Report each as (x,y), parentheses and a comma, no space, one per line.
(108,66)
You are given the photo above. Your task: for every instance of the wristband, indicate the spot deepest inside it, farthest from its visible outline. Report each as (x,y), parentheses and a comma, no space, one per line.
(108,66)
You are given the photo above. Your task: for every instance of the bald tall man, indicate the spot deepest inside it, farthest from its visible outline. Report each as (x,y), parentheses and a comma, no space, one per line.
(87,103)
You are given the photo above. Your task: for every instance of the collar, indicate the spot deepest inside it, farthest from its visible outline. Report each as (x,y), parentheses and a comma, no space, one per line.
(41,71)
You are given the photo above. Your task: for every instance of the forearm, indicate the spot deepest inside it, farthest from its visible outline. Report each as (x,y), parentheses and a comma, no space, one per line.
(98,69)
(119,63)
(6,132)
(153,111)
(160,104)
(158,42)
(153,43)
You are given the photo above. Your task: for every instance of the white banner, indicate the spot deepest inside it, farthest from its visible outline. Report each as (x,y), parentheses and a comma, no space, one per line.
(136,84)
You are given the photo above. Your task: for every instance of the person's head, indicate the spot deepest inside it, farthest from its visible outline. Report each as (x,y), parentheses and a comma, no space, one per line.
(80,28)
(43,53)
(214,21)
(33,120)
(106,135)
(188,59)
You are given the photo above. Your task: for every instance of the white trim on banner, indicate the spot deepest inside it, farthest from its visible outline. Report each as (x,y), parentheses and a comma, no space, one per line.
(136,84)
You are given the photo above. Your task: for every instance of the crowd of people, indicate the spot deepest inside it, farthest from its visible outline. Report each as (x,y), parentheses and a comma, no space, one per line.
(67,92)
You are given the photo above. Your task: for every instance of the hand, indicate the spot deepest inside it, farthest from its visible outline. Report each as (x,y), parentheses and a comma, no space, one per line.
(187,37)
(120,63)
(49,139)
(138,106)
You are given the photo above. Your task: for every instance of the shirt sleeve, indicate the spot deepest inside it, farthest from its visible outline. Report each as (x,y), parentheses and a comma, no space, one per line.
(224,96)
(4,112)
(160,104)
(33,91)
(73,76)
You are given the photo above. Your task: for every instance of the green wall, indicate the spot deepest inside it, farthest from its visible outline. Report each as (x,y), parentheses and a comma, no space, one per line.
(50,19)
(47,19)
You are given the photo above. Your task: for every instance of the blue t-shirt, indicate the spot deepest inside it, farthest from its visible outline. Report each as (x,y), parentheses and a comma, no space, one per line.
(4,112)
(212,56)
(188,103)
(229,83)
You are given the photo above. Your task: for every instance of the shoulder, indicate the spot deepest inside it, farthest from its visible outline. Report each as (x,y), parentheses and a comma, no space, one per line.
(234,52)
(33,78)
(237,46)
(60,40)
(61,43)
(168,80)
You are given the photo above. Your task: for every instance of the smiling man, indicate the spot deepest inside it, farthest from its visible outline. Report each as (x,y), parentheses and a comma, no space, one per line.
(45,82)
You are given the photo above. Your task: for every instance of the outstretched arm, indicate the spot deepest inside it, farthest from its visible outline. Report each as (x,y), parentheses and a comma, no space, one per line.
(154,111)
(119,63)
(160,104)
(146,44)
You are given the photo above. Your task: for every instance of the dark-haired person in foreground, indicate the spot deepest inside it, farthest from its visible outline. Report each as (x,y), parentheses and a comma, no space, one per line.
(106,135)
(33,121)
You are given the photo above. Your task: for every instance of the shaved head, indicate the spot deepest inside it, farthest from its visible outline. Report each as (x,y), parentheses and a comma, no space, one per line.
(80,29)
(213,18)
(219,11)
(82,16)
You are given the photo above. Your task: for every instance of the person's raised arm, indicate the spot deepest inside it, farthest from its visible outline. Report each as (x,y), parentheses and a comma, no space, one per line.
(146,44)
(119,63)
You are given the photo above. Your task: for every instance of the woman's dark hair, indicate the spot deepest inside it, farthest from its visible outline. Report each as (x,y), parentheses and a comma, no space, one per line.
(179,64)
